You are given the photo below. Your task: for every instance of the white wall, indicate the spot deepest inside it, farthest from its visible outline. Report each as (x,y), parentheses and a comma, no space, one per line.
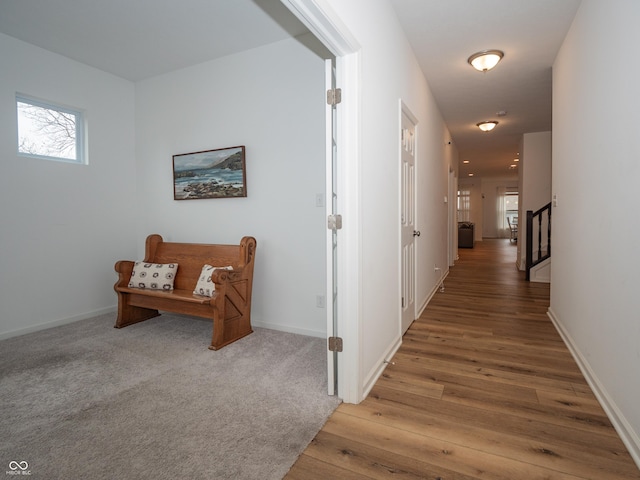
(389,73)
(535,184)
(63,225)
(270,99)
(596,232)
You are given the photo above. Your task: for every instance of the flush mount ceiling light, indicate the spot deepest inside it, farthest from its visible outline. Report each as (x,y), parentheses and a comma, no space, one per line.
(487,126)
(485,60)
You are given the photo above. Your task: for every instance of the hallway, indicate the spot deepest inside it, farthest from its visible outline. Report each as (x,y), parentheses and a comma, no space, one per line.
(482,387)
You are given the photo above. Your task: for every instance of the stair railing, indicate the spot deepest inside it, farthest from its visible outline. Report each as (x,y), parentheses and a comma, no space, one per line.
(542,254)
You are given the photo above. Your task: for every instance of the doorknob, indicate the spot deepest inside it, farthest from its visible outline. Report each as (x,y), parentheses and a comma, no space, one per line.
(416,233)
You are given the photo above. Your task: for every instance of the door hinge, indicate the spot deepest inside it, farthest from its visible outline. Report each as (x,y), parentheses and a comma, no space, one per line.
(334,96)
(334,222)
(335,344)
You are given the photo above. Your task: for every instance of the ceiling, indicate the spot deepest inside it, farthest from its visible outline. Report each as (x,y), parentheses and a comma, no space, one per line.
(138,39)
(445,33)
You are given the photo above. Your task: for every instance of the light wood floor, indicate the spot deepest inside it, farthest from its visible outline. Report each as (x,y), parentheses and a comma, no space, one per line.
(482,388)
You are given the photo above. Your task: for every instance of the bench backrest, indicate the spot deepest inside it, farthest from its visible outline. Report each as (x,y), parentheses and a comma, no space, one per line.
(191,257)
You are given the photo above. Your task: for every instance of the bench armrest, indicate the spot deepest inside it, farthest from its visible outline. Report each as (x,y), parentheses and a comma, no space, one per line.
(124,269)
(222,275)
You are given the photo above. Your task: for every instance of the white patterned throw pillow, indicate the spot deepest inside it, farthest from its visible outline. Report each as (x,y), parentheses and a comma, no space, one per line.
(154,276)
(205,285)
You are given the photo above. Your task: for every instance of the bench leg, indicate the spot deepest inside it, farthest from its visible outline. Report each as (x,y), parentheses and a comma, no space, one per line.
(129,314)
(228,331)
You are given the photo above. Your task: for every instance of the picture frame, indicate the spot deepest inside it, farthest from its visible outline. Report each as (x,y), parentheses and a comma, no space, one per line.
(218,173)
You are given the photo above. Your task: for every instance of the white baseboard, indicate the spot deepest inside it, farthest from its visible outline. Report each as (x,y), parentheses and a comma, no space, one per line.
(430,295)
(57,323)
(372,377)
(374,374)
(256,323)
(629,436)
(288,329)
(103,311)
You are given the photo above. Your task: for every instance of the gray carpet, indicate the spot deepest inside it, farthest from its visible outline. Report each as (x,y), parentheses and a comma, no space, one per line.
(150,401)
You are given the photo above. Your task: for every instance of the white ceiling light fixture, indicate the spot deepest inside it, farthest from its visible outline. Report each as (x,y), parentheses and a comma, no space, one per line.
(487,126)
(485,60)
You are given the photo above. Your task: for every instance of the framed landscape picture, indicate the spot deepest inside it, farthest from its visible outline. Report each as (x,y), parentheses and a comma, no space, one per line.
(219,173)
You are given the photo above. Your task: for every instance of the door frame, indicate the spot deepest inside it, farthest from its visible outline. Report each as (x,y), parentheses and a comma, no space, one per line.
(332,236)
(330,30)
(452,216)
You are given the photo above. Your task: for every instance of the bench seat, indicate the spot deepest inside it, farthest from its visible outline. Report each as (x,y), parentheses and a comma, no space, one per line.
(172,295)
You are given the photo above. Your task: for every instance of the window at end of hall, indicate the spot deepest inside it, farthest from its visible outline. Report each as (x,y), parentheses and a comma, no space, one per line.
(49,131)
(464,205)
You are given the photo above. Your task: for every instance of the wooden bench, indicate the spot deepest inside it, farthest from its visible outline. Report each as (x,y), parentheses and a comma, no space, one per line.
(230,305)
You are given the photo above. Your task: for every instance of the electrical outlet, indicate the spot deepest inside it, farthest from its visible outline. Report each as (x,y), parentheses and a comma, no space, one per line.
(320,302)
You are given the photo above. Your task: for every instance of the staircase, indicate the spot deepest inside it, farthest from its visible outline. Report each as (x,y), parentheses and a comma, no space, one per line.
(538,246)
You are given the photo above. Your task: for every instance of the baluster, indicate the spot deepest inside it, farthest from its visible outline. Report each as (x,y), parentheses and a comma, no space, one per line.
(539,237)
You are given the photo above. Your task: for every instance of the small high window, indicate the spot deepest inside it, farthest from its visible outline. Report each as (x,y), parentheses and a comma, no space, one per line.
(50,132)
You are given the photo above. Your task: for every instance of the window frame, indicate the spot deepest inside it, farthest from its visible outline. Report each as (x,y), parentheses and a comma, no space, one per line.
(512,214)
(81,157)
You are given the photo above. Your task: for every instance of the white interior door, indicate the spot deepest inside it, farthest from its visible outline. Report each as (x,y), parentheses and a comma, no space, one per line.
(332,233)
(407,218)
